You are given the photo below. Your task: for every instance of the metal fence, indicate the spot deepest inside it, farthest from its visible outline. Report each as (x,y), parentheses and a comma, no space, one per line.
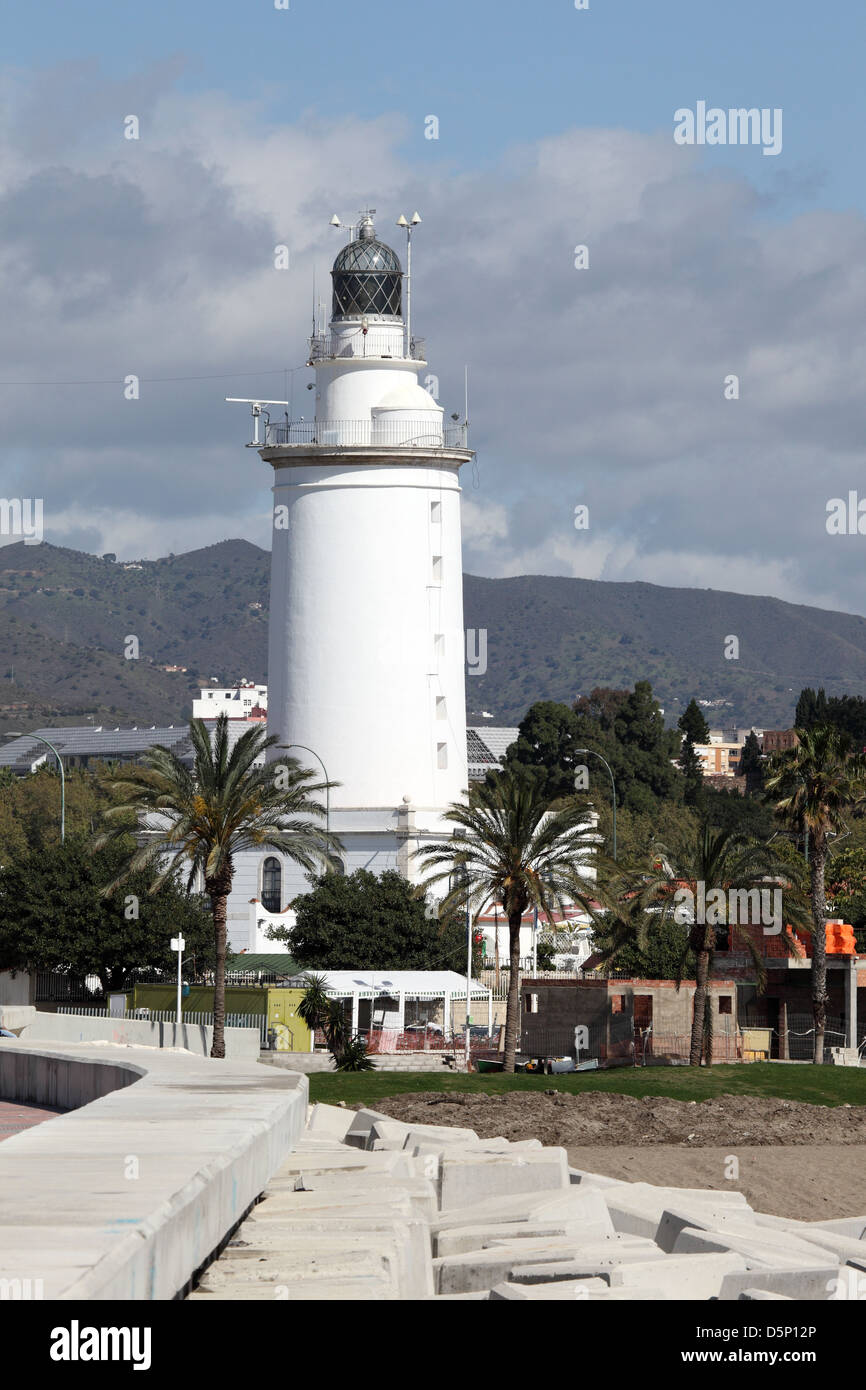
(53,985)
(387,1040)
(387,433)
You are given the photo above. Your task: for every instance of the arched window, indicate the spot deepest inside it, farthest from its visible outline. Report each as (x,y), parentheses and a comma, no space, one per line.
(272,885)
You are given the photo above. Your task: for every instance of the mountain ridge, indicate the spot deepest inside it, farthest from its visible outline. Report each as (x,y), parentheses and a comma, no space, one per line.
(65,617)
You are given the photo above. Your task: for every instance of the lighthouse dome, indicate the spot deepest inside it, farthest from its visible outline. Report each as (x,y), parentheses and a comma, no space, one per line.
(368,279)
(409,397)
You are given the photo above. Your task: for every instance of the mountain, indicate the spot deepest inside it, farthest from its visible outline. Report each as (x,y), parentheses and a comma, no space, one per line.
(66,617)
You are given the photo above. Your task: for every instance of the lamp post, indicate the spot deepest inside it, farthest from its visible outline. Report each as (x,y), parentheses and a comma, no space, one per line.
(287,746)
(177,944)
(15,733)
(402,222)
(461,876)
(590,752)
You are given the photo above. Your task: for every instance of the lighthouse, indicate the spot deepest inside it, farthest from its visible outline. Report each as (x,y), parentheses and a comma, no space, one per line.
(366,643)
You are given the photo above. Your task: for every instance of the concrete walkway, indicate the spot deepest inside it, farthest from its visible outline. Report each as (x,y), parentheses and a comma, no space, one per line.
(14,1117)
(125,1197)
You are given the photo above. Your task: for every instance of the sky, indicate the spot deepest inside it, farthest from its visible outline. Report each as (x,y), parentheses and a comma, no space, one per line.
(605,386)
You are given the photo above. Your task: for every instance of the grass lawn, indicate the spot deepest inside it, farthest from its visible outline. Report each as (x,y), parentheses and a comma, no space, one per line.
(813,1085)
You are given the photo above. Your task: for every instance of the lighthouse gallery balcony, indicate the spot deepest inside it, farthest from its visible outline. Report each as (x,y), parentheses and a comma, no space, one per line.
(406,434)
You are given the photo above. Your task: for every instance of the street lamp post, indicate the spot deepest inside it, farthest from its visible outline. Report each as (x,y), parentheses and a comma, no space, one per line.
(177,944)
(590,752)
(287,746)
(15,733)
(461,876)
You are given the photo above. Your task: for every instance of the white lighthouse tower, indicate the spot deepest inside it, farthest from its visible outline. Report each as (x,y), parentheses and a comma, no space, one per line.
(366,654)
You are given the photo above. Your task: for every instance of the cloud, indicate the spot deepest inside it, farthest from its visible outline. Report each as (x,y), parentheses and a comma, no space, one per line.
(603,386)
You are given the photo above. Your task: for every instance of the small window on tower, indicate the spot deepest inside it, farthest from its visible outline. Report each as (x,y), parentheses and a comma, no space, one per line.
(441,711)
(725,1004)
(439,645)
(442,755)
(437,569)
(436,512)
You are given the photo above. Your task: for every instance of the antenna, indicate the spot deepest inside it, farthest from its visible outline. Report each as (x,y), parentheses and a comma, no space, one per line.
(409,226)
(256,410)
(466,394)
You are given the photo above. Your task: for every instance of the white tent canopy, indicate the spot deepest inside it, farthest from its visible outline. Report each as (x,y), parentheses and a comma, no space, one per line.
(400,985)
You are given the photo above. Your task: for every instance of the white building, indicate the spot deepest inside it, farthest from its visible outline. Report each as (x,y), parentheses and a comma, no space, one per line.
(366,650)
(237,701)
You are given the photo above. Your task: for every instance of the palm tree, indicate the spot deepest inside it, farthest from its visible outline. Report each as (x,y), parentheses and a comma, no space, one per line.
(814,785)
(509,848)
(200,818)
(634,900)
(318,1010)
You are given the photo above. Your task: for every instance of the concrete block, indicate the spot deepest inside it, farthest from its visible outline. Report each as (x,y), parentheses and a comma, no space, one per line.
(587,1207)
(480,1237)
(356,1289)
(680,1276)
(329,1122)
(762,1248)
(388,1131)
(853,1226)
(637,1208)
(699,1216)
(483,1269)
(595,1260)
(572,1291)
(579,1175)
(465,1179)
(843,1248)
(480,1296)
(475,1269)
(450,1136)
(815,1283)
(357,1136)
(763,1295)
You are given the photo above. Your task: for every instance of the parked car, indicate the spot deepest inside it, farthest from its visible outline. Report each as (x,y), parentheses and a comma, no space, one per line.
(423,1028)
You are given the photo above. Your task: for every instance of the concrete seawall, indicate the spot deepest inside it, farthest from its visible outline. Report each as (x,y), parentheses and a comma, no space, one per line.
(242,1044)
(126,1196)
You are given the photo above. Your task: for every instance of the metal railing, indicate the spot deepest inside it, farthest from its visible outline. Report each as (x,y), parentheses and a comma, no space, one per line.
(375,343)
(401,434)
(53,985)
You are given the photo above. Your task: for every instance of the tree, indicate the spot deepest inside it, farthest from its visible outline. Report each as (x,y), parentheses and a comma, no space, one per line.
(201,819)
(693,772)
(725,809)
(546,747)
(752,764)
(625,727)
(813,786)
(811,708)
(370,922)
(692,723)
(640,900)
(55,915)
(694,729)
(30,808)
(510,848)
